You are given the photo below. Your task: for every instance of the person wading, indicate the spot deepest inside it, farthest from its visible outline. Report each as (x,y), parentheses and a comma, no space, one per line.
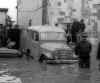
(83,49)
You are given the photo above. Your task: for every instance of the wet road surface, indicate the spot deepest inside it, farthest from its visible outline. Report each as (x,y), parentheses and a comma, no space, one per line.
(34,72)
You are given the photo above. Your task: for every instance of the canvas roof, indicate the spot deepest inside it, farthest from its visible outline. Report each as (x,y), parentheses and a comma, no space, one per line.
(46,28)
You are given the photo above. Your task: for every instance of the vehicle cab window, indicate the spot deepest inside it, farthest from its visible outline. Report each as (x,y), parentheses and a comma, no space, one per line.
(52,36)
(35,35)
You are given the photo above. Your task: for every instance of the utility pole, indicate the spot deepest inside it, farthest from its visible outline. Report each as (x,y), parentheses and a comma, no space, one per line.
(44,11)
(17,8)
(82,7)
(17,11)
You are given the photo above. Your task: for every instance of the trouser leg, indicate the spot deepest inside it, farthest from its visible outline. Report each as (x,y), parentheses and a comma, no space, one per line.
(84,62)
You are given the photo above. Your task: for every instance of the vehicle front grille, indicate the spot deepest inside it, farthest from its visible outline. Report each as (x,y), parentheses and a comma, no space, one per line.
(64,54)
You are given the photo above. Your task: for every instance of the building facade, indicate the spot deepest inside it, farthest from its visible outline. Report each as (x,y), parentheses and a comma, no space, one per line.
(29,10)
(63,10)
(59,11)
(3,14)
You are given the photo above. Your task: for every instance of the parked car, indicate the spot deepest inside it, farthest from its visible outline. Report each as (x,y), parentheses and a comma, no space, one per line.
(6,52)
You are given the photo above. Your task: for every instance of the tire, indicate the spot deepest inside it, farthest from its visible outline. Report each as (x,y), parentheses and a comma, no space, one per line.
(42,58)
(20,56)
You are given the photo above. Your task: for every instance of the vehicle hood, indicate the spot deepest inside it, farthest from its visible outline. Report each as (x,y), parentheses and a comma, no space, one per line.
(55,46)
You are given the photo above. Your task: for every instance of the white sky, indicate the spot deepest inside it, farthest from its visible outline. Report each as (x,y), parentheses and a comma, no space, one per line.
(11,4)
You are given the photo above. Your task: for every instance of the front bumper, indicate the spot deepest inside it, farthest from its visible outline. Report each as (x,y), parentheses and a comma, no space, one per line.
(63,61)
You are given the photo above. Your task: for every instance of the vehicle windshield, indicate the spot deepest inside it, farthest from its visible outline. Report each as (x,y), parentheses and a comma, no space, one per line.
(52,36)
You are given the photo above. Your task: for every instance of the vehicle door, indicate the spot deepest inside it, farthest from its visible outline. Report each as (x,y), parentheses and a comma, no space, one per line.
(34,44)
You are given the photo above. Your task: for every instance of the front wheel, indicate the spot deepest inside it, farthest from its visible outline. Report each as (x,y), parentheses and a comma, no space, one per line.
(42,58)
(20,55)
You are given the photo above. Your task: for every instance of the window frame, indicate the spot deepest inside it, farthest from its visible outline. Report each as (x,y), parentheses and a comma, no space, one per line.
(35,35)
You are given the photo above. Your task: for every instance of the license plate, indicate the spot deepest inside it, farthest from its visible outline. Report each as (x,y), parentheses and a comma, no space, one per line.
(57,61)
(63,52)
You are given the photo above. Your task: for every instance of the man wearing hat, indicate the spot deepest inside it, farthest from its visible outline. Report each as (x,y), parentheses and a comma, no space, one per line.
(83,49)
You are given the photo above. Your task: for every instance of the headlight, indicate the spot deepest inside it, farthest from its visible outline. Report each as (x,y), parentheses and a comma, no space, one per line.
(49,55)
(75,56)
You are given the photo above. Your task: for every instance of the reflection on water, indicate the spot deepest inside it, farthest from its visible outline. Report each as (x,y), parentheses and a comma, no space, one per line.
(49,71)
(5,75)
(84,74)
(72,72)
(56,71)
(45,73)
(33,72)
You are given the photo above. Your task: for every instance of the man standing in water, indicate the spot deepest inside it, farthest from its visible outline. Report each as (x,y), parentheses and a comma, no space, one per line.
(83,49)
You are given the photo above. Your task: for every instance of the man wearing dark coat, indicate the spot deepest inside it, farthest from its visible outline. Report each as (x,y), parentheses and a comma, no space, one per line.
(75,30)
(98,52)
(83,49)
(82,25)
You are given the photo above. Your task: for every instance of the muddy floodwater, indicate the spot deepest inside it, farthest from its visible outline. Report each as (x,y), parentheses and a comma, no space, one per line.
(34,72)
